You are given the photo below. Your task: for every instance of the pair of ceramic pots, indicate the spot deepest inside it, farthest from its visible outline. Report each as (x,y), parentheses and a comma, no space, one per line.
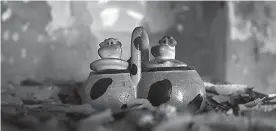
(162,80)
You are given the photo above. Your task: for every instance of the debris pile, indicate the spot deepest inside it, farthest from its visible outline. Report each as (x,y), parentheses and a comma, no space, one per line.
(55,105)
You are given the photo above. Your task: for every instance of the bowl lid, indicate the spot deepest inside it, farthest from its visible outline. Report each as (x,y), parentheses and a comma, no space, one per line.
(108,64)
(165,65)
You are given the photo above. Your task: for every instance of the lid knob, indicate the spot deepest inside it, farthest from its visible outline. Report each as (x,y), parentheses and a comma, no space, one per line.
(110,52)
(165,49)
(110,48)
(164,54)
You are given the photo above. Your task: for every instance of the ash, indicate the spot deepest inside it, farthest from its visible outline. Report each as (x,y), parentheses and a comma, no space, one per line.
(30,106)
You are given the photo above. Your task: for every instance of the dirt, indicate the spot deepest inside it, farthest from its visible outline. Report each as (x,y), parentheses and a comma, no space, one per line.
(60,109)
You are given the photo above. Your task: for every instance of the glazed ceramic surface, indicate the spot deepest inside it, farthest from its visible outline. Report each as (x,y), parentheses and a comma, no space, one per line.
(180,88)
(161,80)
(108,90)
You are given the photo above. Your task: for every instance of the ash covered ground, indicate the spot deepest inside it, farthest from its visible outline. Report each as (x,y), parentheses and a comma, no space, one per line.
(55,105)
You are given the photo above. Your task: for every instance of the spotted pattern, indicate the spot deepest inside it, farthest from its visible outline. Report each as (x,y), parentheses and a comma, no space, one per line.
(137,42)
(160,92)
(100,87)
(124,106)
(133,69)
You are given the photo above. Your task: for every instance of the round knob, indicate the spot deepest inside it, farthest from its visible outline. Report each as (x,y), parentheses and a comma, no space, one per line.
(110,48)
(165,49)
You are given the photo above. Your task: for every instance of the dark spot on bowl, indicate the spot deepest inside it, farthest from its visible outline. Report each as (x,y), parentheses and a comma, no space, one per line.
(124,106)
(160,92)
(155,50)
(195,104)
(100,87)
(137,42)
(134,69)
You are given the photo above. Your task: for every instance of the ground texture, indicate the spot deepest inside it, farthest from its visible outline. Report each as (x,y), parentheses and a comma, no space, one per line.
(54,105)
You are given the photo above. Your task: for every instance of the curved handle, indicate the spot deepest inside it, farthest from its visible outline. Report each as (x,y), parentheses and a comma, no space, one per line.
(139,52)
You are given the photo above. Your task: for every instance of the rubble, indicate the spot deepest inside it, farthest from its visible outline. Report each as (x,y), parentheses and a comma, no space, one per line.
(59,109)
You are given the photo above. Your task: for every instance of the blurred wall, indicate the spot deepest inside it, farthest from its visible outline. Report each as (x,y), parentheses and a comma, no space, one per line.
(232,41)
(200,29)
(251,46)
(58,40)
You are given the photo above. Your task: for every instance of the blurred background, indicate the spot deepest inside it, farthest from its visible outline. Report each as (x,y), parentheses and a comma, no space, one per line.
(227,41)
